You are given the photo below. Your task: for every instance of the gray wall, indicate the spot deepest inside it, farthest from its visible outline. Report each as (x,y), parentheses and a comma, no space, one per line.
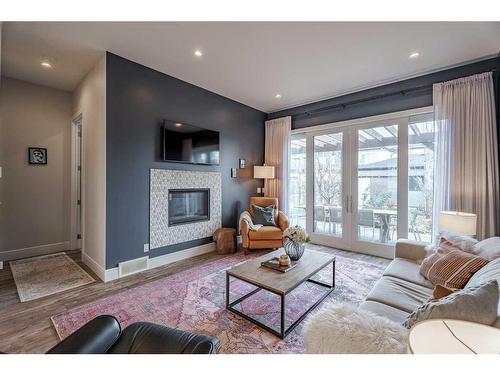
(138,99)
(419,95)
(35,199)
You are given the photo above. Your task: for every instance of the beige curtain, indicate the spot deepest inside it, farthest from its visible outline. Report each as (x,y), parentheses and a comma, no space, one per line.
(276,154)
(467,150)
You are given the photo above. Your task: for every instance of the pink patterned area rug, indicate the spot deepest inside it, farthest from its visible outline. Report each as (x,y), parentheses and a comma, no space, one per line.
(194,300)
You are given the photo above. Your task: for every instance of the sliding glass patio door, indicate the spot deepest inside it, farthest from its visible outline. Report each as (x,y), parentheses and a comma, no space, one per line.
(328,201)
(361,186)
(378,186)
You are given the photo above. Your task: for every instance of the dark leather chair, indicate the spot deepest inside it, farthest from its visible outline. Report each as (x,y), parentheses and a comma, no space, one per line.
(104,335)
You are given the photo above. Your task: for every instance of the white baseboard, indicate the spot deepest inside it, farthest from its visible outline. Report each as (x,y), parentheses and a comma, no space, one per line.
(113,274)
(33,251)
(94,266)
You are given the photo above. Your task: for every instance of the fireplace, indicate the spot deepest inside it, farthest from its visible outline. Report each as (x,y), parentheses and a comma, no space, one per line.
(188,206)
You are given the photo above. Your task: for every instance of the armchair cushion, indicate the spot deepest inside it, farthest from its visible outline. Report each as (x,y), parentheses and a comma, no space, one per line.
(266,233)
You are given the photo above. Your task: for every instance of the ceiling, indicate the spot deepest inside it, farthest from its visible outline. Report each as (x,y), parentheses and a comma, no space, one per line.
(250,62)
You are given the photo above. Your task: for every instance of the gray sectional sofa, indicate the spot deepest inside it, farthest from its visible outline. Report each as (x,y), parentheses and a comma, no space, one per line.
(402,289)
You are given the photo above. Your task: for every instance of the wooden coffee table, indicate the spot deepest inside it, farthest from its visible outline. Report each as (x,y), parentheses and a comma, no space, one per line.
(279,283)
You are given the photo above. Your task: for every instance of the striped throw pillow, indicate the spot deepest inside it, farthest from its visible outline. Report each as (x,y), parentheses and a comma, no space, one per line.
(451,267)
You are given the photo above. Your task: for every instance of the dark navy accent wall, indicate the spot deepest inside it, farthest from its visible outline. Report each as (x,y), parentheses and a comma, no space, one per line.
(138,99)
(312,114)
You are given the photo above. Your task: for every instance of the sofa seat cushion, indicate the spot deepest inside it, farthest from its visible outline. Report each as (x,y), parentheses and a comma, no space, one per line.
(389,312)
(400,294)
(266,233)
(407,270)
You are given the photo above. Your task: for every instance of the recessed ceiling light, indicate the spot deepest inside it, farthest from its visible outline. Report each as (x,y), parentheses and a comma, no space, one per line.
(414,55)
(198,53)
(178,125)
(45,63)
(277,96)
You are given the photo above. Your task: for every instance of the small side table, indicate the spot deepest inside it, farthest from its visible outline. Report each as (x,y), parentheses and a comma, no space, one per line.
(225,240)
(447,336)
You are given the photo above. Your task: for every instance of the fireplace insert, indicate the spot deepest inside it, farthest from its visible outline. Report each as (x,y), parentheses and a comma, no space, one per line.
(188,206)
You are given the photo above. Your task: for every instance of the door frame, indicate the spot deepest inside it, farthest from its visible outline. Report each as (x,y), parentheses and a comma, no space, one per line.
(76,223)
(350,164)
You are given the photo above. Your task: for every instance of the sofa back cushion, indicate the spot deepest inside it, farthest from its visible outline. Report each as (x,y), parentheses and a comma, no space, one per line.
(489,248)
(451,267)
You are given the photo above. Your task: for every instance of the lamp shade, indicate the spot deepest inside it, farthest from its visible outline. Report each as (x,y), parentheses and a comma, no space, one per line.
(458,222)
(264,171)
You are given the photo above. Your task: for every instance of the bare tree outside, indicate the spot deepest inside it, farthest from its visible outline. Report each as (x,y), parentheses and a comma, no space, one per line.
(328,180)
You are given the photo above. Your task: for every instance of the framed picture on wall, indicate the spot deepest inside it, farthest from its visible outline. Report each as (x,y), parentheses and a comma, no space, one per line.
(37,155)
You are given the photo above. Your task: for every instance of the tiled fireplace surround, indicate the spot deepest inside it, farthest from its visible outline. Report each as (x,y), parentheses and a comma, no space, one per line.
(163,180)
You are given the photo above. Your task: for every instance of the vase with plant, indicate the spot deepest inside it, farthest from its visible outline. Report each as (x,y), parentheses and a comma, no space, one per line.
(295,242)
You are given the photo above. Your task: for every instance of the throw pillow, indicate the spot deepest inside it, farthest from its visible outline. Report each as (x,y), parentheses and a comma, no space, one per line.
(263,215)
(440,292)
(344,328)
(451,267)
(464,243)
(475,304)
(489,248)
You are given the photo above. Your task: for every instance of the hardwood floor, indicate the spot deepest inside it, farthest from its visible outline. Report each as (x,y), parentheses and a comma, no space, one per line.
(26,327)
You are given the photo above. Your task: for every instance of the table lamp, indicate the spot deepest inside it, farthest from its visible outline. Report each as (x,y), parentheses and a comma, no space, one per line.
(265,172)
(458,222)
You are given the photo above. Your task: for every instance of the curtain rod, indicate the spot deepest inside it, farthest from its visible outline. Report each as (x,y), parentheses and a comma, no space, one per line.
(369,99)
(359,101)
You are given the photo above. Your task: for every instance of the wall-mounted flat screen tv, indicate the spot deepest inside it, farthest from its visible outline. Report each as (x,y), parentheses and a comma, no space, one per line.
(184,143)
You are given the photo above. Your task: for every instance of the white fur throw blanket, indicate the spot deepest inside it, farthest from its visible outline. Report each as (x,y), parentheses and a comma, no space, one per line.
(342,328)
(245,216)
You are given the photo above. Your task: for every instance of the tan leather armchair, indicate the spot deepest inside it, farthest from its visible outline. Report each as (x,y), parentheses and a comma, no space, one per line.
(267,237)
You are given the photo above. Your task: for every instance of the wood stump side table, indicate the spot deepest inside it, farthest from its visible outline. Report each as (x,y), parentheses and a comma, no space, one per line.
(225,240)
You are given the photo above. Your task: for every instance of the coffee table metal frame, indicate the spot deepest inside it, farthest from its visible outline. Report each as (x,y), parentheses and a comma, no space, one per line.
(283,331)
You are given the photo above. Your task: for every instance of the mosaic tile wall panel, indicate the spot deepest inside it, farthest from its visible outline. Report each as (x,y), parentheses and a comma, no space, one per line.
(161,180)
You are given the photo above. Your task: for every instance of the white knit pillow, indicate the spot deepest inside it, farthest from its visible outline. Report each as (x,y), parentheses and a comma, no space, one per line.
(343,328)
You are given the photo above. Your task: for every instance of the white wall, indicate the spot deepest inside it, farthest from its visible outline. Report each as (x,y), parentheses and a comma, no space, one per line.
(35,198)
(89,99)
